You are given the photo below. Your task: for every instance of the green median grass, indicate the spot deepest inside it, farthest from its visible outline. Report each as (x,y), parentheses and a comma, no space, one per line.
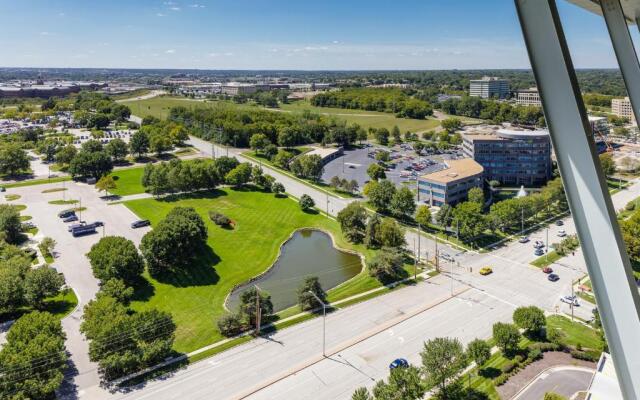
(33,182)
(128,181)
(262,223)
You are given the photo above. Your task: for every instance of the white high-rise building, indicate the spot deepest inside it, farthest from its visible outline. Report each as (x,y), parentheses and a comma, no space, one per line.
(489,87)
(622,108)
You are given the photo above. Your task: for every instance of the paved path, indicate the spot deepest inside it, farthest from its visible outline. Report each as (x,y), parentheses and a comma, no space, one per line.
(565,381)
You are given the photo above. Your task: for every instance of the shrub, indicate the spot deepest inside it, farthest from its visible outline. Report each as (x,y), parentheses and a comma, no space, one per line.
(518,359)
(230,325)
(544,347)
(584,355)
(219,219)
(306,202)
(534,354)
(500,380)
(509,366)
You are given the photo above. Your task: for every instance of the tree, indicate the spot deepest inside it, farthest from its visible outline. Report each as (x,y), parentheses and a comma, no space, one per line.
(451,124)
(372,233)
(391,234)
(607,164)
(403,203)
(10,223)
(476,195)
(277,188)
(90,164)
(386,266)
(506,337)
(248,309)
(160,143)
(442,360)
(40,283)
(117,149)
(175,241)
(469,219)
(423,215)
(352,221)
(46,246)
(287,138)
(115,257)
(395,133)
(531,319)
(376,172)
(380,195)
(382,136)
(258,142)
(65,154)
(34,336)
(306,202)
(92,146)
(403,383)
(13,159)
(479,351)
(444,215)
(239,176)
(230,324)
(139,143)
(117,289)
(335,182)
(305,299)
(106,183)
(361,394)
(120,112)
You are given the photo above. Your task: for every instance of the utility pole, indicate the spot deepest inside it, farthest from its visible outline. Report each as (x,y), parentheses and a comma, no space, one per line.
(324,323)
(419,234)
(522,220)
(80,209)
(415,260)
(546,250)
(451,262)
(327,203)
(572,298)
(258,310)
(457,230)
(436,255)
(64,197)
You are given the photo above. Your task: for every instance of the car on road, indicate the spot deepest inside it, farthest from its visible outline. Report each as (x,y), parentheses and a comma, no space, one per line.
(523,239)
(446,257)
(559,222)
(485,270)
(70,218)
(572,300)
(140,223)
(562,233)
(547,270)
(66,213)
(553,277)
(399,363)
(538,244)
(538,252)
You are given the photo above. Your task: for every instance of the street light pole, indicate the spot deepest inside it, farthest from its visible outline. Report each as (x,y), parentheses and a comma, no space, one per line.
(546,250)
(324,323)
(258,310)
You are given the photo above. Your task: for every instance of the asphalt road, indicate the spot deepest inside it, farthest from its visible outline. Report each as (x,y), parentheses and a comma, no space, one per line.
(565,381)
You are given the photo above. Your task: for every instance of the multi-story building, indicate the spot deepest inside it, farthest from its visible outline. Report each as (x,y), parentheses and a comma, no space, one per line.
(622,108)
(599,126)
(528,97)
(489,87)
(234,88)
(451,184)
(512,157)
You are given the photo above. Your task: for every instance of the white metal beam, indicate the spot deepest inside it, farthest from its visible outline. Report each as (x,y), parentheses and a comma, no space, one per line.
(625,52)
(607,261)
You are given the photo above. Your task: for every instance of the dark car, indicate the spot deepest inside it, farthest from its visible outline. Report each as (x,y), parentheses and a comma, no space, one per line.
(547,270)
(140,223)
(553,277)
(559,222)
(76,226)
(66,213)
(538,252)
(399,363)
(97,224)
(71,218)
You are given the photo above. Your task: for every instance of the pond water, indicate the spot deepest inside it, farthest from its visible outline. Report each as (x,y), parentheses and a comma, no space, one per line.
(309,252)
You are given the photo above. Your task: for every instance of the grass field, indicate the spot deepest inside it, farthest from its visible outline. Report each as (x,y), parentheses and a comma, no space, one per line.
(160,106)
(575,333)
(128,181)
(263,222)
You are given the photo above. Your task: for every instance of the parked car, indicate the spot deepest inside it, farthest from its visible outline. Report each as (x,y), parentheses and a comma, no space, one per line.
(523,239)
(76,226)
(562,233)
(553,277)
(559,222)
(547,270)
(2,189)
(140,223)
(97,223)
(485,270)
(538,252)
(70,218)
(570,300)
(66,213)
(399,363)
(538,244)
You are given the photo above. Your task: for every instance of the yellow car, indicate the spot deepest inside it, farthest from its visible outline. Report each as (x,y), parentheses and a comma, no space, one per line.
(485,270)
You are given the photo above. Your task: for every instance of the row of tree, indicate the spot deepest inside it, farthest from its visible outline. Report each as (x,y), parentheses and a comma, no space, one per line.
(497,112)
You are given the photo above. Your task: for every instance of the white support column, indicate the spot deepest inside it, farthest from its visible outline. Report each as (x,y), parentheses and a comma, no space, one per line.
(625,52)
(584,183)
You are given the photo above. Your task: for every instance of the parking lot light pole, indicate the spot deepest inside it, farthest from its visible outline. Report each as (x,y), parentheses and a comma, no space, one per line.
(324,323)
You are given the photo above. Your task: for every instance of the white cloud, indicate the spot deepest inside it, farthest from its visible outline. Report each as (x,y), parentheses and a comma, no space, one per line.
(197,6)
(160,15)
(336,42)
(174,8)
(169,3)
(170,51)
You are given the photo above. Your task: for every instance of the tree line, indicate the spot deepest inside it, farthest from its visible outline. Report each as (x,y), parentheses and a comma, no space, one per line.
(497,112)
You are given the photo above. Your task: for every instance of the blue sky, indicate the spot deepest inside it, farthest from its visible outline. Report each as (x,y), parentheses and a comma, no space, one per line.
(279,34)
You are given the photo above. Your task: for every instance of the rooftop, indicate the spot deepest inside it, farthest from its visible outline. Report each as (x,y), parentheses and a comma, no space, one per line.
(456,170)
(499,133)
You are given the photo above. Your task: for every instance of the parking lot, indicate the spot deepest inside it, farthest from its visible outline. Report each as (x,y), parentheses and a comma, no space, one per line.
(404,165)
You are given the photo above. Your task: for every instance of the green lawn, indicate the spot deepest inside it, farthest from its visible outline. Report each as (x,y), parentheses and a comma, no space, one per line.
(160,106)
(128,181)
(263,222)
(575,333)
(60,306)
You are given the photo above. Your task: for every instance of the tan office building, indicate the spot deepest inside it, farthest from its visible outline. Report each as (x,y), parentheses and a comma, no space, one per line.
(622,108)
(452,184)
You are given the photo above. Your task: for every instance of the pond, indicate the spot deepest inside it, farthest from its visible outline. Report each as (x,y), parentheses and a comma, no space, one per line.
(309,252)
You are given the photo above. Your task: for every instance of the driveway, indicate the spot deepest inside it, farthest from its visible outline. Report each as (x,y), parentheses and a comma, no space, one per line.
(565,381)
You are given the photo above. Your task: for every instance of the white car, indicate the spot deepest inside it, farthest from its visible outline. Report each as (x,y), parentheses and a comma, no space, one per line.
(570,300)
(562,233)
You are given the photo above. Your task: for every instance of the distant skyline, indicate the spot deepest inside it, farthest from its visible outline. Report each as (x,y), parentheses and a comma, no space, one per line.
(278,34)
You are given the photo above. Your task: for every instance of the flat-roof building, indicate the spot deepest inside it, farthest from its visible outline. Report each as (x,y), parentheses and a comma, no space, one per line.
(489,87)
(511,156)
(528,97)
(451,184)
(599,126)
(234,88)
(622,108)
